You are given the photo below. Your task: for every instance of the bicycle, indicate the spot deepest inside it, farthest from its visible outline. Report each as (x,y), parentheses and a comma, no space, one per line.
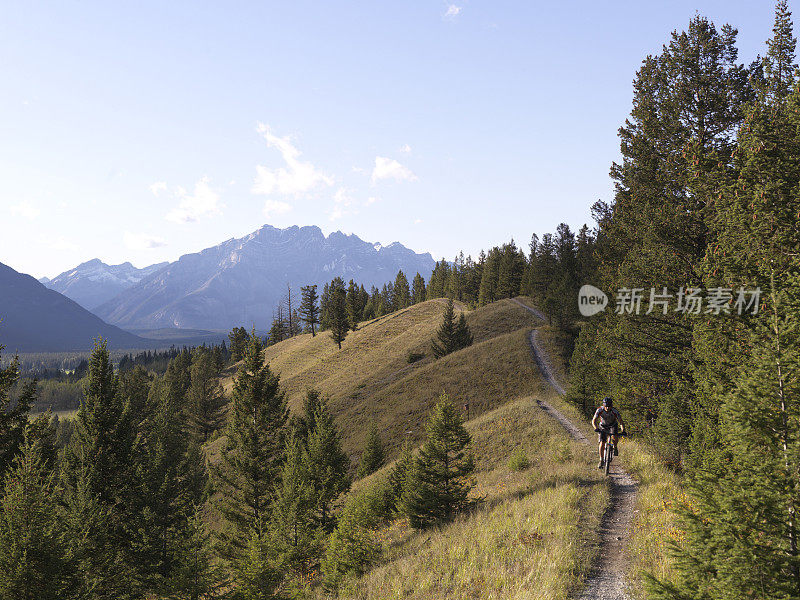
(608,454)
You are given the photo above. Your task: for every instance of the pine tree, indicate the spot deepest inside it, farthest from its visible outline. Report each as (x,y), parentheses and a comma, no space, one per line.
(741,518)
(302,425)
(101,569)
(451,335)
(251,459)
(353,546)
(205,399)
(257,573)
(780,69)
(353,305)
(373,457)
(400,475)
(337,314)
(418,289)
(445,335)
(196,575)
(402,294)
(100,482)
(13,416)
(239,339)
(441,477)
(33,555)
(462,336)
(173,476)
(327,465)
(297,537)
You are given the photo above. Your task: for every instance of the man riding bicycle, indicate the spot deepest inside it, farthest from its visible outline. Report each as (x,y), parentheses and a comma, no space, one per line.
(607,421)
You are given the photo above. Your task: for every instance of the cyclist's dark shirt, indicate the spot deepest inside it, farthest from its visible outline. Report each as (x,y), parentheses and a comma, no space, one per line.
(608,418)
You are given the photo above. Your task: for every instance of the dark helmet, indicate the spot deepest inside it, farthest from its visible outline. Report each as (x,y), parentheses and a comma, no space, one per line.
(608,402)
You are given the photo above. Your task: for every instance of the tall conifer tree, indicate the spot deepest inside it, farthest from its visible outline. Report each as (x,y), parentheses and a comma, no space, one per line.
(252,456)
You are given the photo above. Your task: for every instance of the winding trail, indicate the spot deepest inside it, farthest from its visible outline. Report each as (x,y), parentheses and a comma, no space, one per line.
(607,578)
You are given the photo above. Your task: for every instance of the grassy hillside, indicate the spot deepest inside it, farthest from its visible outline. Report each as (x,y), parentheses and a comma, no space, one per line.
(535,532)
(533,536)
(370,378)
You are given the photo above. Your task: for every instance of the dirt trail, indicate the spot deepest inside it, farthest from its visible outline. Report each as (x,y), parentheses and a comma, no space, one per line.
(607,579)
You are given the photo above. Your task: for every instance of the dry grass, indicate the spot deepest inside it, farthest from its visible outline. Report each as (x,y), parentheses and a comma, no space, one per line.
(659,491)
(533,535)
(370,379)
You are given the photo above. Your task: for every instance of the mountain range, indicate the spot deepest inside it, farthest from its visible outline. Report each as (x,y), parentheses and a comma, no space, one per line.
(92,283)
(36,319)
(240,281)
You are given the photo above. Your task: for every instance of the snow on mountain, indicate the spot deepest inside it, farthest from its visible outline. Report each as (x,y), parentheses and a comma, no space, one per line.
(240,281)
(92,283)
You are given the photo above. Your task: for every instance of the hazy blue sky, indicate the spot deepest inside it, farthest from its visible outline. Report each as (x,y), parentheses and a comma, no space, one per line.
(145,130)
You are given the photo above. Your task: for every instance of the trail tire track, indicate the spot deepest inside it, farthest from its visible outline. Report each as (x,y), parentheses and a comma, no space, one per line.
(607,578)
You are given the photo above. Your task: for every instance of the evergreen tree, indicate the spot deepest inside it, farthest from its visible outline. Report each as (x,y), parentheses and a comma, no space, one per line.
(279,330)
(297,537)
(134,386)
(451,335)
(101,484)
(353,300)
(373,457)
(780,69)
(250,461)
(418,289)
(197,575)
(741,517)
(337,314)
(327,465)
(462,336)
(304,424)
(400,476)
(33,555)
(441,477)
(402,294)
(239,339)
(173,477)
(330,293)
(13,415)
(353,546)
(257,574)
(205,399)
(488,293)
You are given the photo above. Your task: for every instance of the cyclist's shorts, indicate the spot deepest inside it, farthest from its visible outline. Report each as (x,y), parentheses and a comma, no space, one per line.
(606,431)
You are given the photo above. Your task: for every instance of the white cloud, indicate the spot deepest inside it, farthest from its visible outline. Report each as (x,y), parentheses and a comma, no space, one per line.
(275,207)
(158,187)
(295,179)
(25,210)
(343,203)
(142,241)
(204,201)
(452,11)
(371,200)
(388,168)
(405,149)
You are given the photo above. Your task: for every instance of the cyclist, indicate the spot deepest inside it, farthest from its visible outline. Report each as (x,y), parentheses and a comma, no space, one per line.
(607,420)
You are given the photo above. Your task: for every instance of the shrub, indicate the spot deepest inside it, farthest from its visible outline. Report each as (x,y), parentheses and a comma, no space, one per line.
(519,461)
(414,357)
